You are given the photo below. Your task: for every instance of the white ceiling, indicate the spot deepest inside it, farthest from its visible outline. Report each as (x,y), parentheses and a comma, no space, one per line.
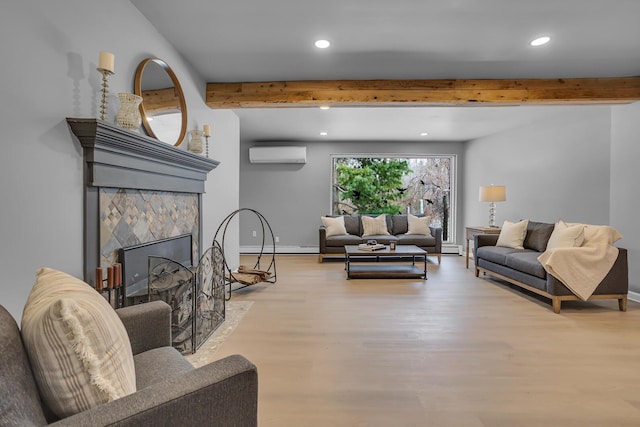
(258,40)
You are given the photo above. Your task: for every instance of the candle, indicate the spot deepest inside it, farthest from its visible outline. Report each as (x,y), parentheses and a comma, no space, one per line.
(110,277)
(207,130)
(118,274)
(106,61)
(98,278)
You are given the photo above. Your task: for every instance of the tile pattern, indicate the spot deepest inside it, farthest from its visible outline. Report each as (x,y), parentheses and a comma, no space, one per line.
(129,217)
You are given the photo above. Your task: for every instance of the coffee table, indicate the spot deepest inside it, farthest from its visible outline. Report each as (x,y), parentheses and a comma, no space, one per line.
(385,263)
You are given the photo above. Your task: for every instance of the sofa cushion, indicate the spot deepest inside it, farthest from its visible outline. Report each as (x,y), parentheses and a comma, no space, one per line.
(526,262)
(418,225)
(352,224)
(159,364)
(416,239)
(496,254)
(334,225)
(538,234)
(512,234)
(566,236)
(385,239)
(399,223)
(78,347)
(343,240)
(374,226)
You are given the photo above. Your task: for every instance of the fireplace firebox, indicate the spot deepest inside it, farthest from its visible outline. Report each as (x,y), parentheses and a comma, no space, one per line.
(163,270)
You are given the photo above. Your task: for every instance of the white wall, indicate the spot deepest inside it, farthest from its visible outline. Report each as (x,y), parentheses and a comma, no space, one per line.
(50,52)
(556,168)
(625,175)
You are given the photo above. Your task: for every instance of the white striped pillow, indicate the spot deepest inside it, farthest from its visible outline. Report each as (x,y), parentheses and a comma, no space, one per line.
(374,226)
(79,349)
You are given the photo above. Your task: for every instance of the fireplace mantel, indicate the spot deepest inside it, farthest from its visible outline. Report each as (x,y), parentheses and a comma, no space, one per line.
(116,158)
(119,158)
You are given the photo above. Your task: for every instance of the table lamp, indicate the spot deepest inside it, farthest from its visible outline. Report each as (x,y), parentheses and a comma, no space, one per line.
(493,194)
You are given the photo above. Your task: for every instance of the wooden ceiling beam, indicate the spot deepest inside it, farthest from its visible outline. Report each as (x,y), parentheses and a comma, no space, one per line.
(407,93)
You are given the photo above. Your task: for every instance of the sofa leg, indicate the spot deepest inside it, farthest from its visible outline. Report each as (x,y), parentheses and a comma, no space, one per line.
(622,303)
(320,258)
(439,258)
(477,272)
(556,304)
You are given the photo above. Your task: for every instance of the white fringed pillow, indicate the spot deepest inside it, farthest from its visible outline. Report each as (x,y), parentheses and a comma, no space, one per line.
(335,226)
(566,236)
(512,234)
(418,225)
(374,226)
(78,347)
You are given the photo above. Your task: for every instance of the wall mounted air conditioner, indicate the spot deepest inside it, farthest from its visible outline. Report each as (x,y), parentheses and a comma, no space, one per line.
(288,154)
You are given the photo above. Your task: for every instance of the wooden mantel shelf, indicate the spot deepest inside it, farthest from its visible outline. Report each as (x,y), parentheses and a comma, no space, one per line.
(119,158)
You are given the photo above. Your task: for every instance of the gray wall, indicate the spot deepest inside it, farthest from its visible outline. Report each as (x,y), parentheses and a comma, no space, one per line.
(49,57)
(625,176)
(554,169)
(580,166)
(294,197)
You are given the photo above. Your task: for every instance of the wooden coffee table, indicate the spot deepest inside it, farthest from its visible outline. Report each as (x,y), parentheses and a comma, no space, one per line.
(385,263)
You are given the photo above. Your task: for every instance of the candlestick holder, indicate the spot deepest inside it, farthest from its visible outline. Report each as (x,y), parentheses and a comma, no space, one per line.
(105,91)
(206,145)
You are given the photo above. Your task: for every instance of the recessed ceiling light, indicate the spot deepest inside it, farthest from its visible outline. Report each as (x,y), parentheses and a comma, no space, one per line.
(540,41)
(322,44)
(324,133)
(324,107)
(424,133)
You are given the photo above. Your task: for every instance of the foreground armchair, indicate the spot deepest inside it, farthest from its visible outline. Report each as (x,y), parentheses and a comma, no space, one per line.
(170,392)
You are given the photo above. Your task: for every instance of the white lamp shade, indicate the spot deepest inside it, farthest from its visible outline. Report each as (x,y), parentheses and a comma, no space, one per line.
(493,193)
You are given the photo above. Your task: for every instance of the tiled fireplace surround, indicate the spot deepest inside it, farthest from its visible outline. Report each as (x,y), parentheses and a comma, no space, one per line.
(137,190)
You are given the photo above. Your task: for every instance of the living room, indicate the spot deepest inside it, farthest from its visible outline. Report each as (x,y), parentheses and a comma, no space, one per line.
(579,165)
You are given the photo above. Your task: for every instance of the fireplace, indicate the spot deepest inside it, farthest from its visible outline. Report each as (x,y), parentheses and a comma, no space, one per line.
(137,190)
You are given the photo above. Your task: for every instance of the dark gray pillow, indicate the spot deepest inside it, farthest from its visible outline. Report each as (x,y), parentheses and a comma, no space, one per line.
(400,224)
(538,234)
(352,224)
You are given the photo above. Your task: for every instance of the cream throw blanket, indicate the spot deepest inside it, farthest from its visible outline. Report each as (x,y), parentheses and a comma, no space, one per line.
(581,269)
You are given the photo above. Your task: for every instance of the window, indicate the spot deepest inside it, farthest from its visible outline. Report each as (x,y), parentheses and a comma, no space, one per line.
(417,184)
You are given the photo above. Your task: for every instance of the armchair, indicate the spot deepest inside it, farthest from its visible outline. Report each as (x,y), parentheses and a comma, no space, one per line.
(169,392)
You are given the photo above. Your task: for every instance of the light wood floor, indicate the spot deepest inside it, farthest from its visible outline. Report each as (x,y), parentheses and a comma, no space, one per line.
(452,351)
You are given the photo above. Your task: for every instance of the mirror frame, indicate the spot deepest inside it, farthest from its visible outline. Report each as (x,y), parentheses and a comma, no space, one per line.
(137,89)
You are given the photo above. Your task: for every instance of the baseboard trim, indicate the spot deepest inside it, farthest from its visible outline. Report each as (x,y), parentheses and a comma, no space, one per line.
(634,296)
(280,249)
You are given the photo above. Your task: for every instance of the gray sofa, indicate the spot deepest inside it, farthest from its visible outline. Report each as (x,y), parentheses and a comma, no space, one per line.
(397,225)
(521,267)
(170,391)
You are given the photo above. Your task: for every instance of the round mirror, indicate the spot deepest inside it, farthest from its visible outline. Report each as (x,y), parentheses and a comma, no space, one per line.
(163,107)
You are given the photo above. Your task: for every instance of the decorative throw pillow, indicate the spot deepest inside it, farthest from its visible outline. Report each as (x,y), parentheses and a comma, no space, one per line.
(78,347)
(566,236)
(374,226)
(512,234)
(335,226)
(419,225)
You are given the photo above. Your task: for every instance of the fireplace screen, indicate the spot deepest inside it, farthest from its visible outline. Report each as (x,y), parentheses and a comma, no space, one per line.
(195,294)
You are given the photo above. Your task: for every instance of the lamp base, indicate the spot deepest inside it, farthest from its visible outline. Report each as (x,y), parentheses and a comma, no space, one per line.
(492,215)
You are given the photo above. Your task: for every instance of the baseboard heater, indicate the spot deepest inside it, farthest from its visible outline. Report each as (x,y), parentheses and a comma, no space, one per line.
(285,154)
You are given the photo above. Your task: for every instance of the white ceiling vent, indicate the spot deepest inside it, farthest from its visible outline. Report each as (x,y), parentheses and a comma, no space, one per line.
(288,154)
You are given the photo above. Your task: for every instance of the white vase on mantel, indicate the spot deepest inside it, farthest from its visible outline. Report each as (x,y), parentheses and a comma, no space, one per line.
(195,143)
(128,116)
